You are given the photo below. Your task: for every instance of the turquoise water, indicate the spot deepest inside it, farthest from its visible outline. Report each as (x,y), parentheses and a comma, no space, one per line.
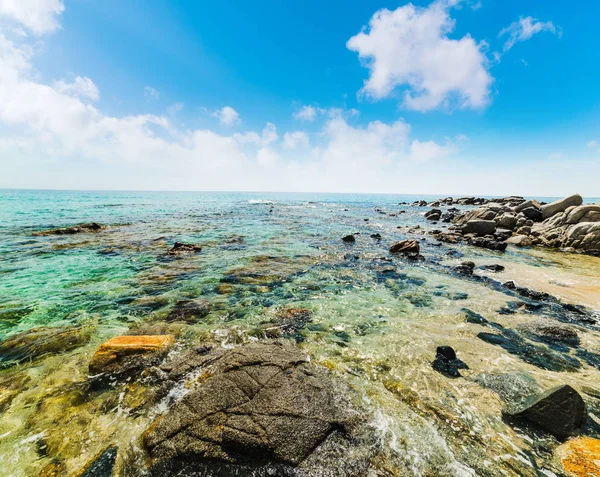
(376,318)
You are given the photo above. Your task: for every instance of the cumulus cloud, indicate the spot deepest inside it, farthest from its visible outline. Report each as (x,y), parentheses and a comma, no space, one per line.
(524,29)
(81,87)
(37,16)
(307,113)
(227,116)
(409,49)
(296,140)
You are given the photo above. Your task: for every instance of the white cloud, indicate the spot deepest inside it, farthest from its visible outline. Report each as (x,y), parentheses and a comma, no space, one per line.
(151,93)
(307,113)
(266,137)
(524,29)
(174,109)
(38,16)
(409,48)
(227,116)
(81,87)
(266,157)
(593,144)
(296,140)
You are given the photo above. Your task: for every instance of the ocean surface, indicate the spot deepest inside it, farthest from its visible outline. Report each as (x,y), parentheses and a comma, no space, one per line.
(376,318)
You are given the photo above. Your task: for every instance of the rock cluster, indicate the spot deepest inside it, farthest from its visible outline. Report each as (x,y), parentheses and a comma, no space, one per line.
(77,229)
(565,224)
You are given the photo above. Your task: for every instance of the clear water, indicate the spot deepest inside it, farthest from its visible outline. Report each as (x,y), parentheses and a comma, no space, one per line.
(377,330)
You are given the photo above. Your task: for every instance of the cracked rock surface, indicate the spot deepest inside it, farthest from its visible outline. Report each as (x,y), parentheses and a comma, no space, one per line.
(257,404)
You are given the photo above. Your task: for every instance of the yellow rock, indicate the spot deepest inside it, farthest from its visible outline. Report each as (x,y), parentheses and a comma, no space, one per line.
(581,457)
(121,346)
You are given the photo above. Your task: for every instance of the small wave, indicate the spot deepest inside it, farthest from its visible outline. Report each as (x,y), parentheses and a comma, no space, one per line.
(260,201)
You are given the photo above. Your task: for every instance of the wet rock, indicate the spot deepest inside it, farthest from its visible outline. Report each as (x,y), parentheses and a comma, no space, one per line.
(487,243)
(479,227)
(550,332)
(102,465)
(514,388)
(561,205)
(77,229)
(376,236)
(190,310)
(37,342)
(289,323)
(124,354)
(493,268)
(260,403)
(447,363)
(405,246)
(520,241)
(580,456)
(180,248)
(560,411)
(349,238)
(465,268)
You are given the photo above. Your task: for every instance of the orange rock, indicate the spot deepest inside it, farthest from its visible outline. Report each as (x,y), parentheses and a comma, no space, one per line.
(115,349)
(581,457)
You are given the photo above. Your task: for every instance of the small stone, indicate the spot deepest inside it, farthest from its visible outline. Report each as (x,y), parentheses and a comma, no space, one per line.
(447,363)
(180,248)
(405,246)
(349,238)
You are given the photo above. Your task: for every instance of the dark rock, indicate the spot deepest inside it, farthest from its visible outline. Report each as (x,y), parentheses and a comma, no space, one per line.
(180,248)
(433,214)
(447,363)
(288,322)
(376,236)
(37,342)
(190,310)
(550,332)
(532,213)
(405,246)
(77,229)
(349,238)
(261,403)
(560,411)
(493,268)
(465,268)
(102,465)
(489,244)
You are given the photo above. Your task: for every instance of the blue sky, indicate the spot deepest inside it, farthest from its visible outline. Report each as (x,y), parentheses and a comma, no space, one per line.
(451,96)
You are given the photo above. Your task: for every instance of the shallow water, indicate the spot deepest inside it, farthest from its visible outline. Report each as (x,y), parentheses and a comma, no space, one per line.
(376,319)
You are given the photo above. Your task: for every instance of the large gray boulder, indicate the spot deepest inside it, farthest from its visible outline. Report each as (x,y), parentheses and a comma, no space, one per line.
(479,227)
(262,403)
(560,205)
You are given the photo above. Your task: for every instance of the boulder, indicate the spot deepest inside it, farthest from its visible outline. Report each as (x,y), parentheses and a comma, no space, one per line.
(520,241)
(583,213)
(180,248)
(433,214)
(507,221)
(533,213)
(262,403)
(560,205)
(525,205)
(37,342)
(128,353)
(560,411)
(580,456)
(479,227)
(190,310)
(349,238)
(405,246)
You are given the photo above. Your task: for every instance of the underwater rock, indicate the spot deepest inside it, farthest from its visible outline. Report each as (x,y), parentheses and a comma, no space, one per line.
(493,268)
(560,411)
(190,310)
(405,246)
(349,238)
(514,388)
(550,331)
(447,363)
(288,322)
(580,456)
(77,229)
(37,342)
(180,248)
(257,404)
(102,465)
(127,353)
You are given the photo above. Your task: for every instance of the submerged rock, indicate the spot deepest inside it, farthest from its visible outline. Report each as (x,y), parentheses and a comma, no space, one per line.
(447,363)
(560,411)
(580,456)
(190,310)
(405,246)
(37,342)
(514,388)
(77,229)
(180,248)
(550,331)
(127,353)
(263,403)
(101,465)
(289,323)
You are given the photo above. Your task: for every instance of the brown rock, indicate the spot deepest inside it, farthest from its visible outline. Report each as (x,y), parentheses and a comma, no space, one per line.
(581,457)
(111,355)
(520,241)
(180,248)
(77,229)
(405,246)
